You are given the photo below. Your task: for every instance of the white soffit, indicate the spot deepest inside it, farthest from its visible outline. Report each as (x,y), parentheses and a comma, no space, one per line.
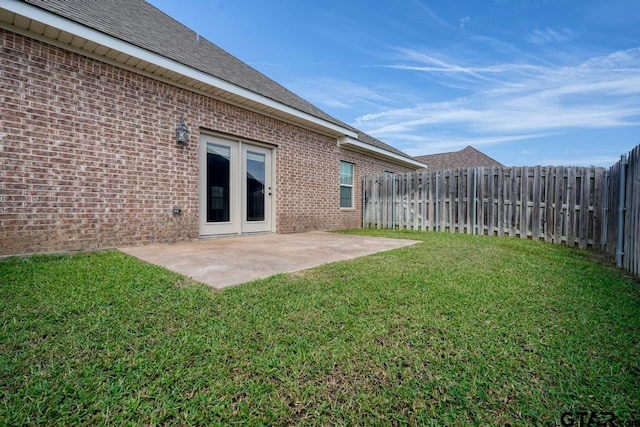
(355,145)
(51,27)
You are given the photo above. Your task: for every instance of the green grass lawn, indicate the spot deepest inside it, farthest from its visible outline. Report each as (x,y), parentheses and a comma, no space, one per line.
(456,330)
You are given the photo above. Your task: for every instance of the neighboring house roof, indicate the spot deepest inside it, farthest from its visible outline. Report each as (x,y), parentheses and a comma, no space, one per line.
(157,35)
(468,157)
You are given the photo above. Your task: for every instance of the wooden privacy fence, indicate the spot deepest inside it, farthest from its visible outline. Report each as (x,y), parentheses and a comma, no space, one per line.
(621,231)
(560,205)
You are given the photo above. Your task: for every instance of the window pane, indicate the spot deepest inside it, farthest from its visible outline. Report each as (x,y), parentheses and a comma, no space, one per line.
(255,186)
(218,179)
(346,197)
(346,173)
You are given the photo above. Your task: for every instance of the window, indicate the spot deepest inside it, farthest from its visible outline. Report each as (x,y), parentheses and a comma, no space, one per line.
(346,185)
(218,181)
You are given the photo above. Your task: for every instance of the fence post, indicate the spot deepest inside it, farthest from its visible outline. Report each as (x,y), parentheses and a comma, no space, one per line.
(437,228)
(475,199)
(393,202)
(623,180)
(364,194)
(605,211)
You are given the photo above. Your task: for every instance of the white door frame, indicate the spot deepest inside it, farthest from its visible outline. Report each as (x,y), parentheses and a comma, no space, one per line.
(256,226)
(237,222)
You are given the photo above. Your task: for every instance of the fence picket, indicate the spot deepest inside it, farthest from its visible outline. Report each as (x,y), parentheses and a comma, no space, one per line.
(491,202)
(583,233)
(502,197)
(555,204)
(523,197)
(598,205)
(417,201)
(481,201)
(538,184)
(631,249)
(550,211)
(537,203)
(512,191)
(460,201)
(571,206)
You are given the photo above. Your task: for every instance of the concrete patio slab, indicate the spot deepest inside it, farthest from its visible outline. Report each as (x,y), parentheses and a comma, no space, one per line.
(227,261)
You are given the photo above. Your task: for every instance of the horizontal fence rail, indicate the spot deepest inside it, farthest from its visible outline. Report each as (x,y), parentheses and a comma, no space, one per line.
(560,205)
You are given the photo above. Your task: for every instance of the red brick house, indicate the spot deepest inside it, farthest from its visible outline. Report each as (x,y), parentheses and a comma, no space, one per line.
(91,97)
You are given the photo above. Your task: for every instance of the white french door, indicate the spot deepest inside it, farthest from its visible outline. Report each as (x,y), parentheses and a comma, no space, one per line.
(236,190)
(256,189)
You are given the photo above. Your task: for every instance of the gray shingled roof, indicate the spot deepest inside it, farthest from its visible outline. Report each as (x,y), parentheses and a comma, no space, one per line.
(143,25)
(468,157)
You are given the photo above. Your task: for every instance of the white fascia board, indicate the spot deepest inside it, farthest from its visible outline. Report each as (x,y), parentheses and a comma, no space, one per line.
(354,144)
(51,19)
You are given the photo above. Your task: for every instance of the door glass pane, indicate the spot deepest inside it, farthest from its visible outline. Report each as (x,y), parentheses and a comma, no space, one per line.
(255,186)
(218,180)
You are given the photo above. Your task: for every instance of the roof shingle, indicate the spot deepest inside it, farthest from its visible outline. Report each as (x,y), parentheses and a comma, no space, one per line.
(143,25)
(468,157)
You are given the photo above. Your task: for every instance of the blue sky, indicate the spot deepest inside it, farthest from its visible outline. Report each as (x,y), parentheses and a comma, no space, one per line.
(526,81)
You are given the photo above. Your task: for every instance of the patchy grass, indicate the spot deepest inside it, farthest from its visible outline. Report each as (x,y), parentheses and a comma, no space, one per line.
(456,330)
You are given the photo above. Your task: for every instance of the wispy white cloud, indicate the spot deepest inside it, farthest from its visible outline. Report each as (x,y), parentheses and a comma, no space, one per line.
(510,102)
(464,21)
(339,93)
(583,161)
(420,145)
(429,63)
(522,3)
(549,35)
(433,17)
(445,69)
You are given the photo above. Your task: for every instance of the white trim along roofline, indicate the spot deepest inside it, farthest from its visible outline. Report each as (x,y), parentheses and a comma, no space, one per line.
(75,28)
(347,140)
(355,145)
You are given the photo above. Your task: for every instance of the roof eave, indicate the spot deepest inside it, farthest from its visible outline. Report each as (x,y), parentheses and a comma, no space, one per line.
(359,146)
(40,24)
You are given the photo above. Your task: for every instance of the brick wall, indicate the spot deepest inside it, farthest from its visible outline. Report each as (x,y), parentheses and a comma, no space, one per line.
(88,158)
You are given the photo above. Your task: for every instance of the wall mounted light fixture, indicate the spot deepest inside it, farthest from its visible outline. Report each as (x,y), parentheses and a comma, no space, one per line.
(182,132)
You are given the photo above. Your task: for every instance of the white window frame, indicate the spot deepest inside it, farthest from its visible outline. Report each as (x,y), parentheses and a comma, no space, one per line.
(353,173)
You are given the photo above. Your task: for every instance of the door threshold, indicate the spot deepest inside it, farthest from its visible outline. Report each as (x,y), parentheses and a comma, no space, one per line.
(222,236)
